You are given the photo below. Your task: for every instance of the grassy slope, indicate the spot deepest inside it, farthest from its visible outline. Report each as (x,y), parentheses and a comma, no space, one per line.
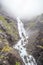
(9,28)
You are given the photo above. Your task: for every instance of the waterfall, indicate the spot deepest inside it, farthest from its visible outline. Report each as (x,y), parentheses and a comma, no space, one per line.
(27,59)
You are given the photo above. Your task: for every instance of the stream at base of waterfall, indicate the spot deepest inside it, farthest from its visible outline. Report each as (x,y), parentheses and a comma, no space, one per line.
(27,59)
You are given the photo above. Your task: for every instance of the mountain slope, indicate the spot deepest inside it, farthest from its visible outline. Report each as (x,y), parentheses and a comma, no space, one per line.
(8,30)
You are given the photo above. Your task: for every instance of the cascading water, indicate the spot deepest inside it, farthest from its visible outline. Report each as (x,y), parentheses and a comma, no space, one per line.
(27,59)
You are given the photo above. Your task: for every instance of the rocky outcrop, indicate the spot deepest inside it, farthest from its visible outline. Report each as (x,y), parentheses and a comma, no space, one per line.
(8,30)
(35,42)
(9,37)
(38,51)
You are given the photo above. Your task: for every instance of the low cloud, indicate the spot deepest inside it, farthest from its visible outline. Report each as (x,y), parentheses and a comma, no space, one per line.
(25,9)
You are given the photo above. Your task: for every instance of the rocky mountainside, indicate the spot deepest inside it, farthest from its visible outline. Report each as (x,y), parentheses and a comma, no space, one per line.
(38,51)
(34,23)
(8,30)
(35,44)
(8,37)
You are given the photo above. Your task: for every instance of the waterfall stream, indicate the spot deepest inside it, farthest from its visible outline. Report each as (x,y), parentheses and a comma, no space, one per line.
(27,59)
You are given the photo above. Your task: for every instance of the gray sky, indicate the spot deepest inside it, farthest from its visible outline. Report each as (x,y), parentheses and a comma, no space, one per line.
(25,9)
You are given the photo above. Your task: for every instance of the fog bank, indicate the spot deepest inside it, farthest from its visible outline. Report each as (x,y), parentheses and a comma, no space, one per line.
(25,9)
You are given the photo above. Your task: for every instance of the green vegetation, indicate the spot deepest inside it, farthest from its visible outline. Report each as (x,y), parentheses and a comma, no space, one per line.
(9,27)
(17,63)
(8,36)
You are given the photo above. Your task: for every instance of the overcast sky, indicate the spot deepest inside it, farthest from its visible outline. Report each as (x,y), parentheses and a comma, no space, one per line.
(25,9)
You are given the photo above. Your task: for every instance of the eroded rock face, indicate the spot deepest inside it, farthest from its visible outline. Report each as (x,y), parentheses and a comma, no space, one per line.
(8,36)
(8,31)
(11,59)
(38,51)
(35,43)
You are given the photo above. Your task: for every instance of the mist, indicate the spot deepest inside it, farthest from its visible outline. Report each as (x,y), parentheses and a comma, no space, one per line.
(24,9)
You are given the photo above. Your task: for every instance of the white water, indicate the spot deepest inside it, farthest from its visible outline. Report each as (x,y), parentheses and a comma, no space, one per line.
(27,59)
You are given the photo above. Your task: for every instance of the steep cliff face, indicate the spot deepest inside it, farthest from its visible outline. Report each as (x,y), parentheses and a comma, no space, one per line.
(38,51)
(8,31)
(35,44)
(8,37)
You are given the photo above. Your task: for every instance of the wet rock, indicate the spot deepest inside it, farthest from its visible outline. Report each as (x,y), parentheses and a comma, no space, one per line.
(25,59)
(13,59)
(9,30)
(8,35)
(38,51)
